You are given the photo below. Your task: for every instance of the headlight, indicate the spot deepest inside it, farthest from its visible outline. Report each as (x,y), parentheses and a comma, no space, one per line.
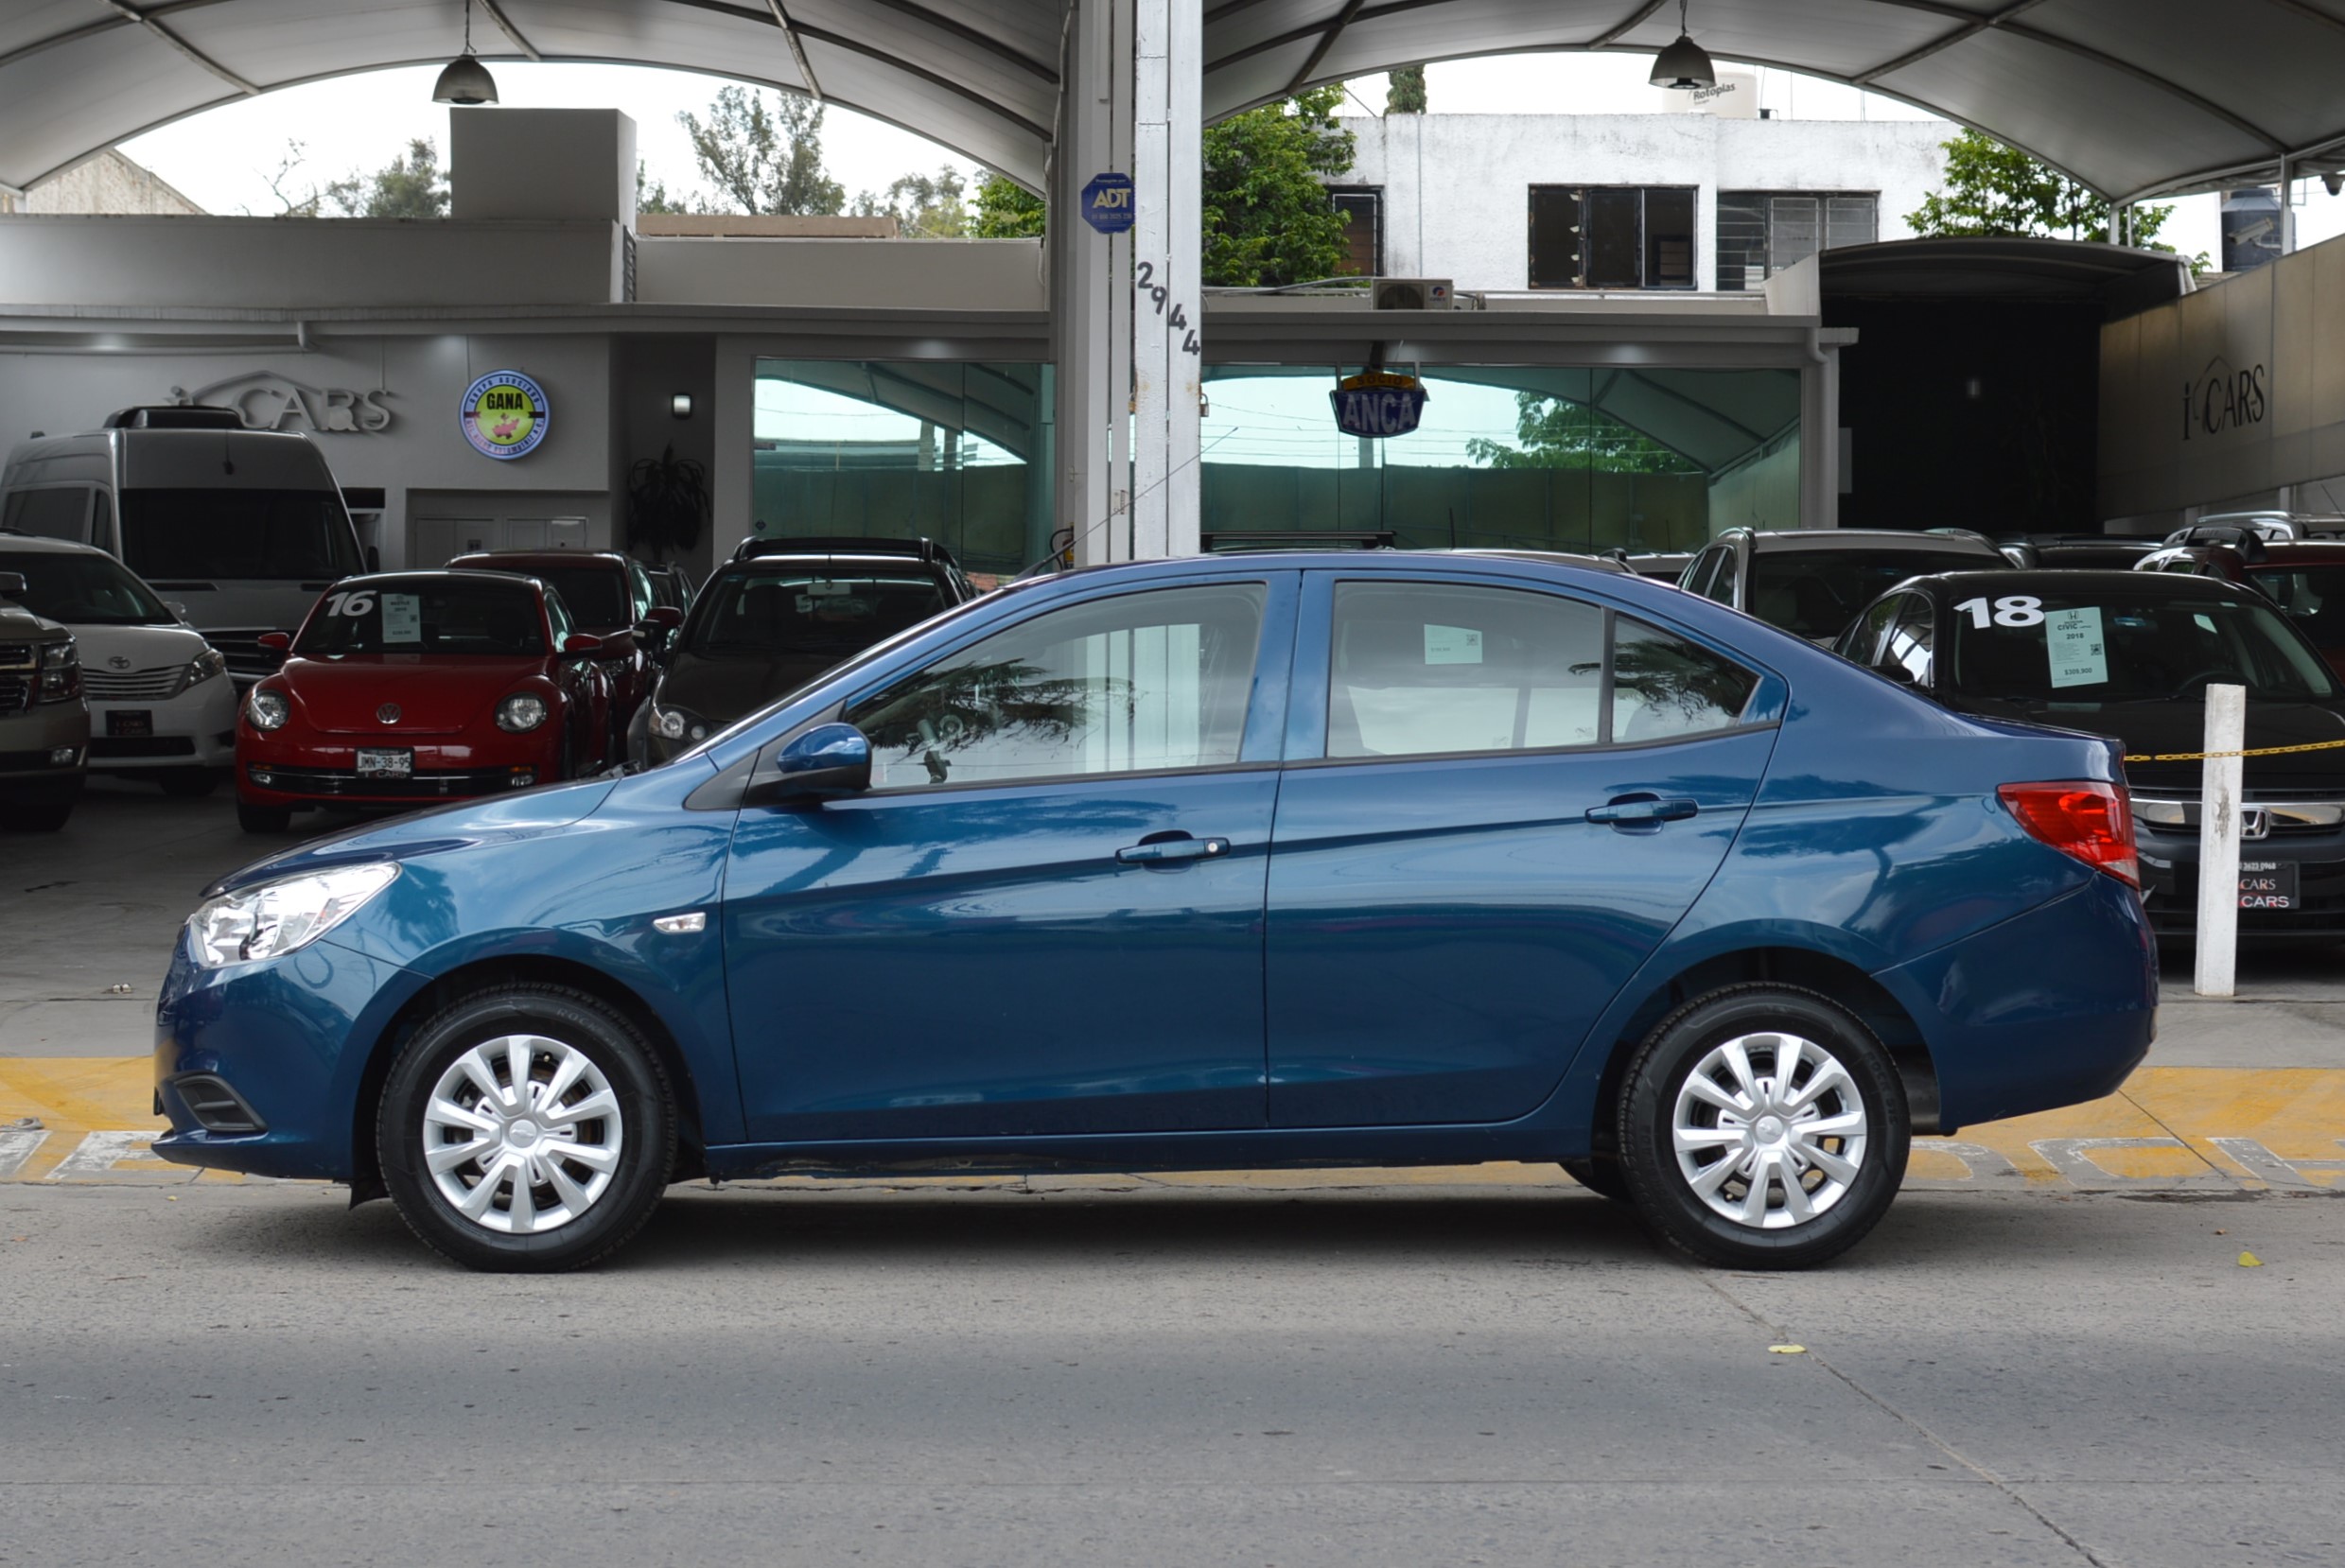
(266,709)
(204,666)
(520,713)
(61,672)
(675,724)
(276,918)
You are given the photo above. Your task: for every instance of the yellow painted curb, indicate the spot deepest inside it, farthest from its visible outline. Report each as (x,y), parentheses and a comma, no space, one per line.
(88,1119)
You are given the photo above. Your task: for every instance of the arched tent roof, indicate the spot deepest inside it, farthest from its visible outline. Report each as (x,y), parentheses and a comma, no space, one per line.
(2134,97)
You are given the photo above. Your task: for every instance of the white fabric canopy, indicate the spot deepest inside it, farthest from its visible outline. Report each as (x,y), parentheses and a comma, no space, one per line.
(2134,97)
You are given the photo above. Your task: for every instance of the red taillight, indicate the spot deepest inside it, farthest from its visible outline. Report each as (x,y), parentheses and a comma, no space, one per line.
(2092,822)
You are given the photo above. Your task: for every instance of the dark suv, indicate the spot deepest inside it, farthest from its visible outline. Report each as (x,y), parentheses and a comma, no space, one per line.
(779,612)
(45,724)
(2304,577)
(1812,581)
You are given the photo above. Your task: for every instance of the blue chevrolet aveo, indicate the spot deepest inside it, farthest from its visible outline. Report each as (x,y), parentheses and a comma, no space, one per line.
(1297,860)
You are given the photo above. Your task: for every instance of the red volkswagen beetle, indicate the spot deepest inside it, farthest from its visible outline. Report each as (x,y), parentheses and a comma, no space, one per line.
(409,687)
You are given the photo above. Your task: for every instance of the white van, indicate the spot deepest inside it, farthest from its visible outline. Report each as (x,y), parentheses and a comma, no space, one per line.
(243,527)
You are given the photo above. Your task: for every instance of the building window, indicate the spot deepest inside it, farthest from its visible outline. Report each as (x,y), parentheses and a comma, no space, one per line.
(1612,236)
(1760,233)
(1363,239)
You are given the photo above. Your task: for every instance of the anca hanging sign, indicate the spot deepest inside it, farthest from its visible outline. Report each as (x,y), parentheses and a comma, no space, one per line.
(1378,404)
(504,415)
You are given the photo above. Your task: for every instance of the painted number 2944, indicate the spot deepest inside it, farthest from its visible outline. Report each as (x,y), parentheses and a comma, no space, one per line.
(1145,284)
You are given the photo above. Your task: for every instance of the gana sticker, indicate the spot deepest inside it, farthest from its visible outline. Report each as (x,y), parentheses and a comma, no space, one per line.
(2074,643)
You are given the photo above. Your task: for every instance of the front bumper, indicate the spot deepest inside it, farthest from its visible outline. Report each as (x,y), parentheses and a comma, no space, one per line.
(313,770)
(32,739)
(2170,882)
(194,729)
(278,1036)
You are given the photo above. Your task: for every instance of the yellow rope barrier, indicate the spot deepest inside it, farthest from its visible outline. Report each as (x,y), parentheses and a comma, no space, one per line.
(2206,756)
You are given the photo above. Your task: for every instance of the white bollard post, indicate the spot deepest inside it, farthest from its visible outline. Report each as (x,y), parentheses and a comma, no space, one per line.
(2218,842)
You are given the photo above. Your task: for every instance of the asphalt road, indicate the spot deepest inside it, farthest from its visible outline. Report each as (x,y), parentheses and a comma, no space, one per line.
(254,1375)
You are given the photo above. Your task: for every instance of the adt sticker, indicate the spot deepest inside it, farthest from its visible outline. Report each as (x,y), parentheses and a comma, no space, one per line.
(504,415)
(1106,202)
(2074,643)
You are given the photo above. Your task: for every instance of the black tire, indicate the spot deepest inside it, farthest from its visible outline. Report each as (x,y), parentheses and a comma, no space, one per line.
(1661,1188)
(188,783)
(642,1134)
(1598,1175)
(264,819)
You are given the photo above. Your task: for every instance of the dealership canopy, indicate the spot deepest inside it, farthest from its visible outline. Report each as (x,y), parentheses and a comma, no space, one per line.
(2134,97)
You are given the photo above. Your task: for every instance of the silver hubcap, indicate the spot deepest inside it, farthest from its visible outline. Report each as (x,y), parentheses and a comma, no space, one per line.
(1769,1130)
(522,1134)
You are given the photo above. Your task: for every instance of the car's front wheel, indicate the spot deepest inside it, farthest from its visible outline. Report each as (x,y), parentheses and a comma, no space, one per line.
(1763,1126)
(526,1127)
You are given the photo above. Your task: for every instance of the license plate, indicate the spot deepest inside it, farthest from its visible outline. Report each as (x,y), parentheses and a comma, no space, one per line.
(2268,885)
(386,764)
(130,722)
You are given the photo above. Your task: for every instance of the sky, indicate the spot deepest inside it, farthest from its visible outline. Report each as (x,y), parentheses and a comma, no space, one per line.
(225,158)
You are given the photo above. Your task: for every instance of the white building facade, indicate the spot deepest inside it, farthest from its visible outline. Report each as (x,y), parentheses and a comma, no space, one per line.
(1690,202)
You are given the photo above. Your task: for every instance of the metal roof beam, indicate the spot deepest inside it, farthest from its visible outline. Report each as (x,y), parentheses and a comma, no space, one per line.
(2126,67)
(798,49)
(1968,30)
(1326,41)
(1634,20)
(148,20)
(504,26)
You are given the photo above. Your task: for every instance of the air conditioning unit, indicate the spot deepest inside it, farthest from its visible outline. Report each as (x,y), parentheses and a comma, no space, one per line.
(1409,294)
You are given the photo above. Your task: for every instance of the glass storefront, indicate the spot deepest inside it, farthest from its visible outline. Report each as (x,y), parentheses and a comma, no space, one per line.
(957,451)
(1519,457)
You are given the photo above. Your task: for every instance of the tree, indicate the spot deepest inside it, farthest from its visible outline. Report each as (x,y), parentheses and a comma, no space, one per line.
(667,501)
(1006,210)
(292,203)
(1267,219)
(1405,93)
(761,159)
(1556,432)
(653,197)
(924,206)
(408,187)
(1997,191)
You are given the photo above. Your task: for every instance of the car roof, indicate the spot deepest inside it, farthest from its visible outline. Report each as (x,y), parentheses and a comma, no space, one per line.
(43,544)
(546,557)
(2139,584)
(1773,540)
(469,574)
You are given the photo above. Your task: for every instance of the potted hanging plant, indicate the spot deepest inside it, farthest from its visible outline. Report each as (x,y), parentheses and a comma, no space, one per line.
(667,501)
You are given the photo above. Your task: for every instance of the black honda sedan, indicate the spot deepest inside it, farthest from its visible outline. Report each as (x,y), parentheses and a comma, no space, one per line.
(2130,655)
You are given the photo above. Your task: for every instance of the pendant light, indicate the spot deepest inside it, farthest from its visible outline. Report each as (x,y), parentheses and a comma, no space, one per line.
(1683,65)
(467,81)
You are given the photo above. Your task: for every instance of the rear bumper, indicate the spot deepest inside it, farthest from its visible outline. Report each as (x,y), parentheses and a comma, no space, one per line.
(2051,1008)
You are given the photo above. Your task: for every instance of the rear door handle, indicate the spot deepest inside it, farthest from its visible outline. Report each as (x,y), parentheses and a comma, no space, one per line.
(1643,810)
(1182,848)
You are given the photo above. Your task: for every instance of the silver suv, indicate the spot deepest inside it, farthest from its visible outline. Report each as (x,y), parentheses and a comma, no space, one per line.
(1813,581)
(45,724)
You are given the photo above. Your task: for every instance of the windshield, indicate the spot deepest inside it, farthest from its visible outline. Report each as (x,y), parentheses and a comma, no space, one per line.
(84,590)
(2102,648)
(821,614)
(267,534)
(597,596)
(1814,593)
(421,614)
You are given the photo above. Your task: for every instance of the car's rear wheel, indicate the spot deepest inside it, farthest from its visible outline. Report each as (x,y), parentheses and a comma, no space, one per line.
(36,816)
(263,819)
(526,1128)
(1764,1127)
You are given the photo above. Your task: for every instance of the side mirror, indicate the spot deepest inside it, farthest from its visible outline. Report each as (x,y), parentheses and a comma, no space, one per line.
(580,644)
(11,585)
(179,609)
(276,642)
(666,617)
(827,761)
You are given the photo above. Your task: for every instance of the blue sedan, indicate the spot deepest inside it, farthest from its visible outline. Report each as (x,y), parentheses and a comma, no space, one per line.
(1278,860)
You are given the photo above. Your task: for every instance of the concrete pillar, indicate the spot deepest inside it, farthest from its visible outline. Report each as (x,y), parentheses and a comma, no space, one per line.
(1080,309)
(1167,296)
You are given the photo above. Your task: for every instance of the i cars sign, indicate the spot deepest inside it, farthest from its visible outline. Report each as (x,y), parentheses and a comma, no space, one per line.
(503,416)
(1378,404)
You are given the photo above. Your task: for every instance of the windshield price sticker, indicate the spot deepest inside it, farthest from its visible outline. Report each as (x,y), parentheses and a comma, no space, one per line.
(1452,645)
(403,617)
(2075,646)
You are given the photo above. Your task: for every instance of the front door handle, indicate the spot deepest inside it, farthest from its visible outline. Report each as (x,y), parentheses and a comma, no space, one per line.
(1156,851)
(1643,810)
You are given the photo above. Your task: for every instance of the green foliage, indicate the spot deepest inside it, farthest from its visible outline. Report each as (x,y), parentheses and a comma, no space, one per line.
(408,186)
(667,501)
(653,197)
(764,155)
(924,206)
(2000,192)
(1556,432)
(1405,93)
(1006,210)
(1267,219)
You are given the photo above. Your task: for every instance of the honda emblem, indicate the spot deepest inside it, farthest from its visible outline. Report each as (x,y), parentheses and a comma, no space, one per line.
(2255,824)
